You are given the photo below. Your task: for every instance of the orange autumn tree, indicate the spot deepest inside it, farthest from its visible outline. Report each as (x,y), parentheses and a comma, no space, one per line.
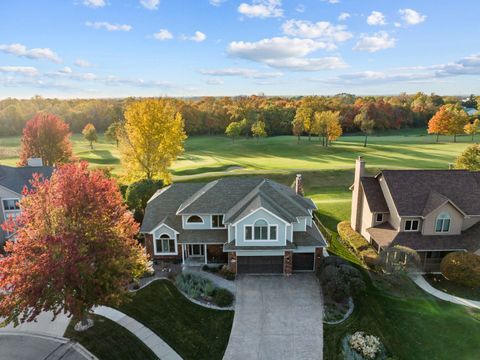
(448,120)
(74,248)
(46,136)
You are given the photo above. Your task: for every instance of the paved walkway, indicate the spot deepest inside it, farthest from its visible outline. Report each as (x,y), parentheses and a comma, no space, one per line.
(423,284)
(148,337)
(277,318)
(43,325)
(16,345)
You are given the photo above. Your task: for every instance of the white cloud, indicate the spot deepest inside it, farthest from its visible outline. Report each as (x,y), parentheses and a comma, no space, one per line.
(343,16)
(412,17)
(163,34)
(198,37)
(246,73)
(286,53)
(376,18)
(216,2)
(150,4)
(36,53)
(94,3)
(300,8)
(107,26)
(22,70)
(83,63)
(262,9)
(375,42)
(66,70)
(332,1)
(88,76)
(319,30)
(214,81)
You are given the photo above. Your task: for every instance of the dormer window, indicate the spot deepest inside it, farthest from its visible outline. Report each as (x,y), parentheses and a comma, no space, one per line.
(443,223)
(411,225)
(379,217)
(194,219)
(217,222)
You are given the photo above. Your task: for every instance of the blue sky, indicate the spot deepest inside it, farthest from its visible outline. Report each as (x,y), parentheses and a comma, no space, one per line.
(113,48)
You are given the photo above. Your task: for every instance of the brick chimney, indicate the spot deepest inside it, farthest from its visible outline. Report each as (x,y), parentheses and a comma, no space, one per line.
(356,216)
(34,162)
(299,185)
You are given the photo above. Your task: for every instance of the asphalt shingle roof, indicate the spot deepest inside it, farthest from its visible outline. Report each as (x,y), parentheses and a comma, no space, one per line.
(411,189)
(16,178)
(373,193)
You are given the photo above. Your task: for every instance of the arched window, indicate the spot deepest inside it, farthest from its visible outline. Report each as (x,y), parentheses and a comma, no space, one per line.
(165,245)
(443,223)
(195,219)
(260,230)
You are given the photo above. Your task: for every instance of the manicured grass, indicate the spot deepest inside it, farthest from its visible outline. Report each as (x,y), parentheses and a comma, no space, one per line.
(109,341)
(445,285)
(410,323)
(193,331)
(410,148)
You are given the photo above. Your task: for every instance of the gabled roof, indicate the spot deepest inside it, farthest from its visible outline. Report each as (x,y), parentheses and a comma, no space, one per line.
(16,178)
(373,193)
(415,192)
(163,205)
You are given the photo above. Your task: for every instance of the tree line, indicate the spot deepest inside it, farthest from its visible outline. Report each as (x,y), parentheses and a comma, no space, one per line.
(213,115)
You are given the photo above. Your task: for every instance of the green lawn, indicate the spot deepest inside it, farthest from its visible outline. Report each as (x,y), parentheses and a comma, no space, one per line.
(109,341)
(193,331)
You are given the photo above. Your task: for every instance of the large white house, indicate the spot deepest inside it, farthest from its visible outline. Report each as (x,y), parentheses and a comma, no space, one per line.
(253,224)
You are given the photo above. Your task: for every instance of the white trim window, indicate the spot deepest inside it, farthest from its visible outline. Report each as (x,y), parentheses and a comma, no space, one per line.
(412,225)
(443,223)
(261,231)
(165,245)
(194,219)
(379,217)
(217,222)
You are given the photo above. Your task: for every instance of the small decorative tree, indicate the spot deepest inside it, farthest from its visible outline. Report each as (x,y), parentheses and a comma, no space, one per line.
(90,134)
(469,159)
(258,130)
(472,128)
(113,132)
(234,129)
(397,259)
(138,194)
(74,248)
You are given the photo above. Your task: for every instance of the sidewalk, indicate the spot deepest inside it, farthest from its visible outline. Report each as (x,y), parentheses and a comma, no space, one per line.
(423,284)
(148,337)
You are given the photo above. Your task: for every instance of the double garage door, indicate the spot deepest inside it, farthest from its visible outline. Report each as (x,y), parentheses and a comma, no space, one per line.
(273,264)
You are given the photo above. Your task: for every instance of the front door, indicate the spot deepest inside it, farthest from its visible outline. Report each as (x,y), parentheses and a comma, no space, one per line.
(196,250)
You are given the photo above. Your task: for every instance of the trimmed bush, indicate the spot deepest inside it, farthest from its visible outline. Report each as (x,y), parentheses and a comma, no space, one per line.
(358,243)
(194,285)
(462,268)
(222,297)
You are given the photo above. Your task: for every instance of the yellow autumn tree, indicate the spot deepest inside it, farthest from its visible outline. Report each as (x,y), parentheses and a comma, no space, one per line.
(327,126)
(151,139)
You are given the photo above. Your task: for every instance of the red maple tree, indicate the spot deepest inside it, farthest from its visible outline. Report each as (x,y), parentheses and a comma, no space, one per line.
(46,136)
(74,247)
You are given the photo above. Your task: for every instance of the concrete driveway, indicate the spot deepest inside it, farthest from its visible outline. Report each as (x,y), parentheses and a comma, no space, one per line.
(277,318)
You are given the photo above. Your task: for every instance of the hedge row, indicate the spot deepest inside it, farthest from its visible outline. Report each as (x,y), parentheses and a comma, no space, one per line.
(462,268)
(357,242)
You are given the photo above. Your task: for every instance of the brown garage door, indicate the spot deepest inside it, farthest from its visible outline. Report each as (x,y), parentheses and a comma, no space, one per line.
(260,264)
(303,261)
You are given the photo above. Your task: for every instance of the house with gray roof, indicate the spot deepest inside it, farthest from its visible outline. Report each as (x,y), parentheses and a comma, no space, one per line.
(431,211)
(254,224)
(12,182)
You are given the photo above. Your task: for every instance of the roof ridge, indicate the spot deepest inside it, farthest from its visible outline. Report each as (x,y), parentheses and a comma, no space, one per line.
(203,190)
(285,196)
(244,202)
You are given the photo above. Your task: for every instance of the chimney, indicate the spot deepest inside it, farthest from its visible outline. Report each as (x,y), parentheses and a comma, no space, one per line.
(34,162)
(299,185)
(356,215)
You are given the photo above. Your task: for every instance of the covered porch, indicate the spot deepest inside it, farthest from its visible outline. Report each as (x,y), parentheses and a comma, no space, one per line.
(197,254)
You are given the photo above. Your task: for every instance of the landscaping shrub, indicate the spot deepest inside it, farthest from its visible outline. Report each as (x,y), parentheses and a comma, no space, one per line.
(222,297)
(361,346)
(399,259)
(358,243)
(340,280)
(462,268)
(227,273)
(194,285)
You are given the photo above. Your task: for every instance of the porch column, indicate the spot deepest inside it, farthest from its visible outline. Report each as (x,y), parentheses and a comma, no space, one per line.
(205,252)
(183,255)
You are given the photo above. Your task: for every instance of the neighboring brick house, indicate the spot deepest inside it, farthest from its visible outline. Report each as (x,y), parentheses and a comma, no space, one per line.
(431,211)
(12,182)
(253,224)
